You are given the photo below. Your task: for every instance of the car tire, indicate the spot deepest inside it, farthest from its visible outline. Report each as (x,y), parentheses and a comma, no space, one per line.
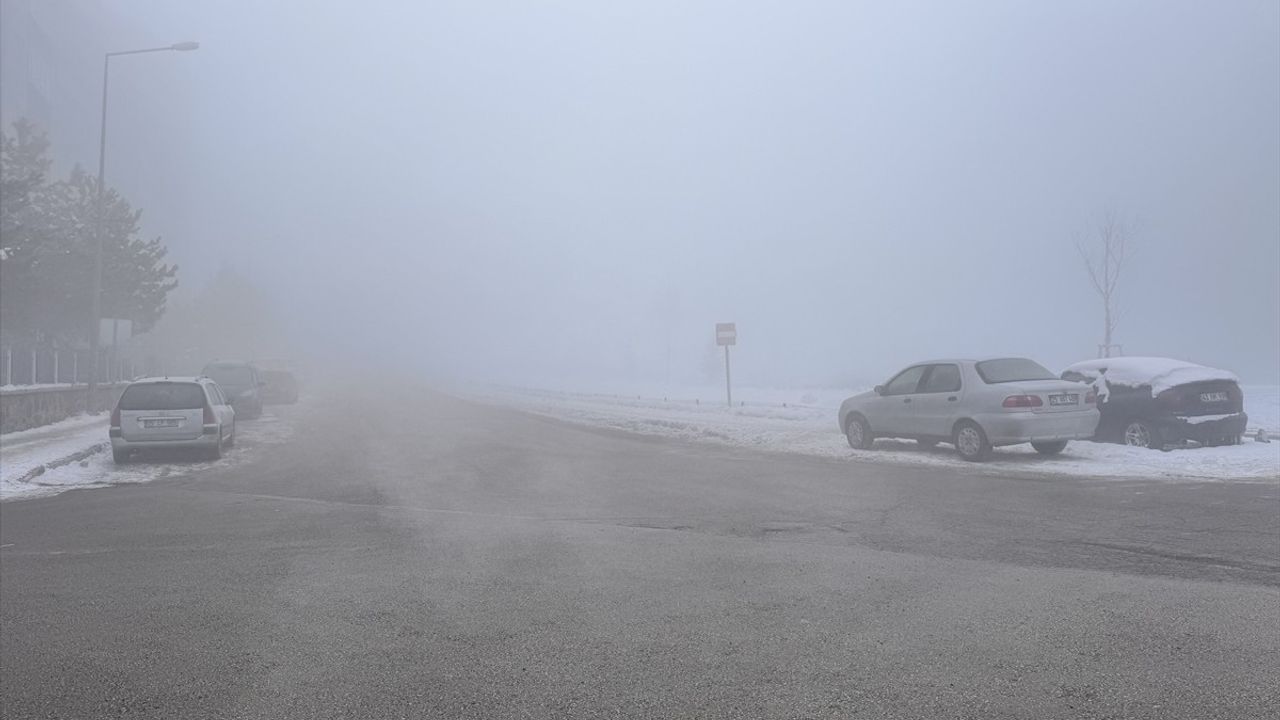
(1050,448)
(1140,433)
(231,439)
(971,441)
(858,432)
(120,457)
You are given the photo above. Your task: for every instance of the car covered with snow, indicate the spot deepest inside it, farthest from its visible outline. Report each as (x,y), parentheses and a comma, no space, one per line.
(1154,401)
(974,405)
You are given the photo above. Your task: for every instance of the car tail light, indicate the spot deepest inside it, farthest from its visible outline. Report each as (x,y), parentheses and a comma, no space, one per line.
(1023,401)
(115,417)
(1091,397)
(209,419)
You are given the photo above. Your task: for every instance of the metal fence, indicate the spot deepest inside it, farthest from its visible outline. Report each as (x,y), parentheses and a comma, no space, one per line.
(26,365)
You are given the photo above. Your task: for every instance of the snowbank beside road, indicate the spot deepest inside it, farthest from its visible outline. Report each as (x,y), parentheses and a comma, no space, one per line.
(75,454)
(26,453)
(804,421)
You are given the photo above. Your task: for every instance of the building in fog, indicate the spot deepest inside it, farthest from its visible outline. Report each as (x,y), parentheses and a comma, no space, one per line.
(51,73)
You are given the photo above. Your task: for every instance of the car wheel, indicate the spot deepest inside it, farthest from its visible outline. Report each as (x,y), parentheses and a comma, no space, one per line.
(1140,433)
(971,441)
(1050,448)
(119,456)
(858,433)
(231,439)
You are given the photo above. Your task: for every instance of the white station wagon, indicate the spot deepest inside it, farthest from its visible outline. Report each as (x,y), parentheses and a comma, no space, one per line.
(974,405)
(189,413)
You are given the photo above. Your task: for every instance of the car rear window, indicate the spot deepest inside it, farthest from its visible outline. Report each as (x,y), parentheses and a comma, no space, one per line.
(230,374)
(162,396)
(1012,370)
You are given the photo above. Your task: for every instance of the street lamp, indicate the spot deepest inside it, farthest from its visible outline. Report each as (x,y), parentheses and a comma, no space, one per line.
(99,229)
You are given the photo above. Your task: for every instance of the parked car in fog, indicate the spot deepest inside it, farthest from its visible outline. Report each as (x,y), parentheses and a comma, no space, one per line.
(974,405)
(243,384)
(1153,402)
(171,413)
(281,389)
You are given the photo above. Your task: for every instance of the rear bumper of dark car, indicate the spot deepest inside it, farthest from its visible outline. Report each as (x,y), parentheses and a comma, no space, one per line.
(1203,428)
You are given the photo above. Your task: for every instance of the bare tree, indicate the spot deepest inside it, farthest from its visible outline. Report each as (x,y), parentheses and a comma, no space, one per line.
(1114,234)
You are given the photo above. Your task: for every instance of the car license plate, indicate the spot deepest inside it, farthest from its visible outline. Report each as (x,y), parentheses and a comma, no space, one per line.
(1213,397)
(160,423)
(1067,399)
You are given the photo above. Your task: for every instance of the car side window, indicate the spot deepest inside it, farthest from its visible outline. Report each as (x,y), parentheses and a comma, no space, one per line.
(906,382)
(942,379)
(218,397)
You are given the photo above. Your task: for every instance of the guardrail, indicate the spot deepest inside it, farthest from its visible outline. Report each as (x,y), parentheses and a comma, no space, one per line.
(24,407)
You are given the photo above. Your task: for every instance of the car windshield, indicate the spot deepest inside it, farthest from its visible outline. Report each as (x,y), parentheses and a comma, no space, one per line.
(1007,370)
(163,396)
(233,375)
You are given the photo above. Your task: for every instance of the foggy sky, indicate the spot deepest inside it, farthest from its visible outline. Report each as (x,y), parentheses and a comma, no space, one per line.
(579,190)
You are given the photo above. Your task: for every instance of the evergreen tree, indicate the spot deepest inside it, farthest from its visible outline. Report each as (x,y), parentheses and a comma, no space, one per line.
(49,245)
(24,202)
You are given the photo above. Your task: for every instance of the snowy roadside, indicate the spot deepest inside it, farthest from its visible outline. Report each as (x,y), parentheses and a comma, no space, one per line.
(75,453)
(26,454)
(804,422)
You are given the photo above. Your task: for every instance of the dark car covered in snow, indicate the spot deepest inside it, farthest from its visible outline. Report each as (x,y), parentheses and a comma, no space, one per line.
(1155,402)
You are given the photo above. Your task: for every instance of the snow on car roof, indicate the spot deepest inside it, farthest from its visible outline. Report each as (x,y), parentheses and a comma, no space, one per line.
(1160,373)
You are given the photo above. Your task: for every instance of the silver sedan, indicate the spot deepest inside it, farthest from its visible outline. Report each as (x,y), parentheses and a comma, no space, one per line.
(974,405)
(189,413)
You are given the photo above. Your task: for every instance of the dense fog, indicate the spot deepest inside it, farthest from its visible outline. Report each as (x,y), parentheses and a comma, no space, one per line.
(576,192)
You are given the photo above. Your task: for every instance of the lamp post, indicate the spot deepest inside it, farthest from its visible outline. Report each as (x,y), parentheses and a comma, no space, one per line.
(99,224)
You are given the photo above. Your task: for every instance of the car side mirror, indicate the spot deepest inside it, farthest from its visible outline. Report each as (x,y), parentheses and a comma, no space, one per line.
(879,389)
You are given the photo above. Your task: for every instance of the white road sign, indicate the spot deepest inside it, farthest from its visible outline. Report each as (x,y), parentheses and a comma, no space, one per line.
(726,334)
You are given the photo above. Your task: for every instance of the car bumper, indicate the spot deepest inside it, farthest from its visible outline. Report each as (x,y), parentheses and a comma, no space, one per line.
(1020,427)
(1203,428)
(205,442)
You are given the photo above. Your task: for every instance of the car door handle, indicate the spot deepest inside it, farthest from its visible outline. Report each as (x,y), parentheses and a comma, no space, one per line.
(952,398)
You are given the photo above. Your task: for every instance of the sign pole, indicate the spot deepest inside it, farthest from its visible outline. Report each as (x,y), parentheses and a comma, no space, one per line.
(728,392)
(726,335)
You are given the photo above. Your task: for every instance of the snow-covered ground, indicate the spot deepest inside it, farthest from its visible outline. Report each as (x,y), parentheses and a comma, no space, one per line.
(76,453)
(804,421)
(26,451)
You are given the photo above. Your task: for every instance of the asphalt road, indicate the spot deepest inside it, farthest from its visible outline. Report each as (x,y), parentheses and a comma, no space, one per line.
(412,555)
